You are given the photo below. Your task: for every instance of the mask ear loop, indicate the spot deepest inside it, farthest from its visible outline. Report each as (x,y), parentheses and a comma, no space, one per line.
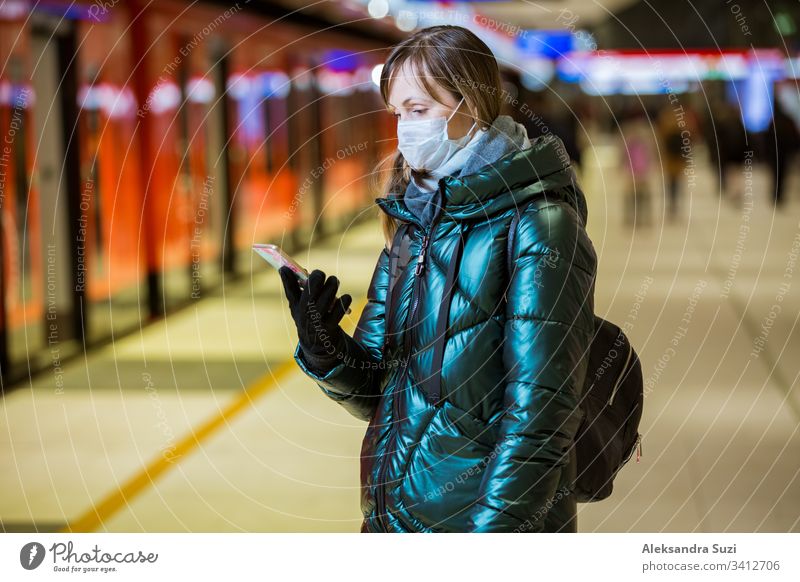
(456,109)
(474,123)
(469,131)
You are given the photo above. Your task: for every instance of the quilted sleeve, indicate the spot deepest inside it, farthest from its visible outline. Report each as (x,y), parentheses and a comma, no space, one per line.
(548,331)
(355,381)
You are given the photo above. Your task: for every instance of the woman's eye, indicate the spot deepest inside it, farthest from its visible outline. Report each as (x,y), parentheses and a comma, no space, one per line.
(419,111)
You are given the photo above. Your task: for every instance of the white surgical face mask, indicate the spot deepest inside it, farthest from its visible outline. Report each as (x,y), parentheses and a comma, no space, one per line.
(424,143)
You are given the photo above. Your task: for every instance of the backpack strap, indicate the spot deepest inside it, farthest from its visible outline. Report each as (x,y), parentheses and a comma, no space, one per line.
(395,253)
(512,232)
(432,385)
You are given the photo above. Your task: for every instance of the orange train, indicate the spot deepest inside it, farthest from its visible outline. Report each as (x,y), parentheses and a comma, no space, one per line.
(145,146)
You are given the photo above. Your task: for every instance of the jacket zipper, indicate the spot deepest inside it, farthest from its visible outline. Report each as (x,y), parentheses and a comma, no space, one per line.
(621,376)
(418,270)
(381,485)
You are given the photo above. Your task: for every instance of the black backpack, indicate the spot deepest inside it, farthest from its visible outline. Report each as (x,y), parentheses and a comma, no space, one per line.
(613,392)
(612,401)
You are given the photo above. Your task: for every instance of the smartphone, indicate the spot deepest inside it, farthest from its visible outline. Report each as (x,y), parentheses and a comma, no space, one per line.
(276,257)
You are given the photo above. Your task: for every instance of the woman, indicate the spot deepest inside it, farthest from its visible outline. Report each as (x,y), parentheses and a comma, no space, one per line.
(469,368)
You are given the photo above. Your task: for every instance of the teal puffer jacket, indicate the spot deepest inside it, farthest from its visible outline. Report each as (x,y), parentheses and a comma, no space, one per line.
(493,452)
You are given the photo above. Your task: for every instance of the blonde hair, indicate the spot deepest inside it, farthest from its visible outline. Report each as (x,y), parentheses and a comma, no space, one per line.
(458,62)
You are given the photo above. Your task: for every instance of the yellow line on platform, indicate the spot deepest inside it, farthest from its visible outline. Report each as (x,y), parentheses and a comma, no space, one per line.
(120,498)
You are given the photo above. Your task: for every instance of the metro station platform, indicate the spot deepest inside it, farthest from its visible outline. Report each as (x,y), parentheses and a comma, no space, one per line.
(202,422)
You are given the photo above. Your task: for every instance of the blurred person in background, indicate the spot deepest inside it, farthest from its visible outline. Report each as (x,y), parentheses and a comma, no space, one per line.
(469,357)
(676,151)
(782,143)
(728,146)
(552,115)
(637,157)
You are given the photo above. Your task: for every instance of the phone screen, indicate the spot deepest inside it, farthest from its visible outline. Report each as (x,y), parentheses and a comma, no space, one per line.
(278,258)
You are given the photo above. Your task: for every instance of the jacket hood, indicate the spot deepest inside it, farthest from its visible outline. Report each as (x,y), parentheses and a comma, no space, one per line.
(511,181)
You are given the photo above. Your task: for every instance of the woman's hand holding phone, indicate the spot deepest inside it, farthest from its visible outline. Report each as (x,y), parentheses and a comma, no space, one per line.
(317,312)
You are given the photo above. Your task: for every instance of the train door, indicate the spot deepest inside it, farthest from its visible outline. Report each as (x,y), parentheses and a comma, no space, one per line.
(305,154)
(220,156)
(199,174)
(107,201)
(205,122)
(20,248)
(54,91)
(34,256)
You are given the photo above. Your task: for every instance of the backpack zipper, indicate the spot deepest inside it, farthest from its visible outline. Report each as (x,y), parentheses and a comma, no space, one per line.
(638,446)
(380,487)
(621,375)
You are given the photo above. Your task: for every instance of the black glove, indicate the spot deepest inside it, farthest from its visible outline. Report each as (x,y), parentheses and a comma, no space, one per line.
(317,312)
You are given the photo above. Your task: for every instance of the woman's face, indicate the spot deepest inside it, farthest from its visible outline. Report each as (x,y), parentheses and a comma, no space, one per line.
(408,100)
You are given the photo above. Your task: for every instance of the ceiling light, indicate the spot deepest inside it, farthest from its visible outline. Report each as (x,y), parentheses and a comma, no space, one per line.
(376,74)
(378,8)
(406,20)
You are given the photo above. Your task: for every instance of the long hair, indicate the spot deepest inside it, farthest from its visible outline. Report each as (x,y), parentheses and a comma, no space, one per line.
(451,59)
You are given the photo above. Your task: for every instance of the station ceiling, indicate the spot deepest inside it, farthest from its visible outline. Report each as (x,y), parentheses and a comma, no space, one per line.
(539,14)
